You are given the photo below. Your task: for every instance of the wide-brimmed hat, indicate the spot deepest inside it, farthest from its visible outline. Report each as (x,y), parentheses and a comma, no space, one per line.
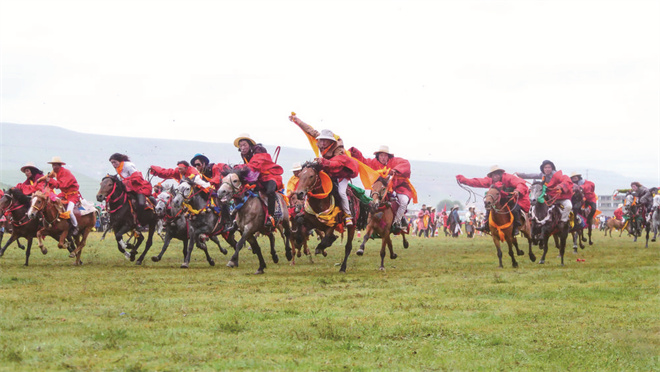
(547,162)
(56,160)
(246,137)
(326,134)
(494,169)
(296,167)
(32,166)
(202,157)
(383,149)
(576,174)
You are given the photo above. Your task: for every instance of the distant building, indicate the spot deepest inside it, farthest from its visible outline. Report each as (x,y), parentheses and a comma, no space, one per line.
(608,203)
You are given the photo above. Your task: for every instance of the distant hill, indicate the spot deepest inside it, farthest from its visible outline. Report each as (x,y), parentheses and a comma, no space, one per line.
(87,156)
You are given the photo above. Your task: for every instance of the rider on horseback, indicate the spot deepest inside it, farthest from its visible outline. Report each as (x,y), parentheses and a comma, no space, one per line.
(399,169)
(33,181)
(257,159)
(333,161)
(588,189)
(135,184)
(644,196)
(182,171)
(62,178)
(558,187)
(210,172)
(516,185)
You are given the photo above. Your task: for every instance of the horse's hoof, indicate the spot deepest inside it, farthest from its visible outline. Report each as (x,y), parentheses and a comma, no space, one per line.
(532,258)
(521,253)
(394,256)
(44,250)
(71,255)
(325,254)
(592,243)
(584,239)
(299,254)
(155,259)
(405,244)
(223,251)
(276,259)
(259,272)
(138,262)
(232,264)
(515,265)
(575,250)
(184,265)
(212,263)
(382,268)
(127,255)
(289,256)
(359,252)
(541,262)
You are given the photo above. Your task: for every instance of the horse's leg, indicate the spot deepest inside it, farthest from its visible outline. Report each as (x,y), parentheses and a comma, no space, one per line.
(405,241)
(27,252)
(40,241)
(215,240)
(562,242)
(367,235)
(4,248)
(148,243)
(393,256)
(233,261)
(255,247)
(509,241)
(204,248)
(348,248)
(532,257)
(496,240)
(514,241)
(383,246)
(328,238)
(287,239)
(192,240)
(80,245)
(543,244)
(574,234)
(273,254)
(166,243)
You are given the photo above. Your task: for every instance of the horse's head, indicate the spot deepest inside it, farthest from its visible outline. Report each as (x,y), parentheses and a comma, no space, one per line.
(231,185)
(183,193)
(379,190)
(108,187)
(578,197)
(307,178)
(38,204)
(492,198)
(163,201)
(628,203)
(535,191)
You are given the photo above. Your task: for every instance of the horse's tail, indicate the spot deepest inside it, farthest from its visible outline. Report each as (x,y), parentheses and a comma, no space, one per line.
(363,216)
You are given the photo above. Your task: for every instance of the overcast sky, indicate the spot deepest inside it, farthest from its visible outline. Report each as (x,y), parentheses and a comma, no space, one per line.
(475,82)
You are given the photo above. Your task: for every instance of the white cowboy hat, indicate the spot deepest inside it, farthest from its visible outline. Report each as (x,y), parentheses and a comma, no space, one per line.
(56,160)
(576,174)
(494,169)
(383,149)
(326,134)
(296,167)
(28,165)
(246,137)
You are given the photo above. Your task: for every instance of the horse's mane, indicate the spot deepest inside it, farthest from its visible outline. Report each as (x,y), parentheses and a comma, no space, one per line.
(312,164)
(19,196)
(382,180)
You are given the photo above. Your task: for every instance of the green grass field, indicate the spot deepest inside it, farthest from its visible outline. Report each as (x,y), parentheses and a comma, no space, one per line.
(442,305)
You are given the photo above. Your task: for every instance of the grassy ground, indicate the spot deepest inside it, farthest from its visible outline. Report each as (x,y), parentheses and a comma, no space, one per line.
(442,305)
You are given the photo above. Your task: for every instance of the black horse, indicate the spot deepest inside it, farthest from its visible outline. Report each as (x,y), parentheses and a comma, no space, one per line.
(119,205)
(579,219)
(175,225)
(15,205)
(546,221)
(204,219)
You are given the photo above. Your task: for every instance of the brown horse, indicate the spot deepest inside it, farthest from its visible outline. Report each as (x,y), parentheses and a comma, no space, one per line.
(546,222)
(299,232)
(15,205)
(320,210)
(382,212)
(501,222)
(614,224)
(251,219)
(57,227)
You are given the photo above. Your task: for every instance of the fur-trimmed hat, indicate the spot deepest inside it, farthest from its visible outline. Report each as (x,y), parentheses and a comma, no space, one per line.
(547,162)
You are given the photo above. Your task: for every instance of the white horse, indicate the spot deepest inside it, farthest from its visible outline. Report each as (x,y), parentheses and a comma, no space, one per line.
(654,220)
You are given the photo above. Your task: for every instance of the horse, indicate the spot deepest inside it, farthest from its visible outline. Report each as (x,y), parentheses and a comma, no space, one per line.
(545,221)
(613,224)
(321,211)
(579,219)
(636,216)
(15,205)
(202,218)
(250,211)
(500,222)
(57,227)
(654,221)
(119,206)
(382,211)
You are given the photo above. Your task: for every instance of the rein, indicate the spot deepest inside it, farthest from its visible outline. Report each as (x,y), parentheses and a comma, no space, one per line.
(8,212)
(110,201)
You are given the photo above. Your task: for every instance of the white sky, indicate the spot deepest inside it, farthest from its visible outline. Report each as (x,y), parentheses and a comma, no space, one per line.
(475,82)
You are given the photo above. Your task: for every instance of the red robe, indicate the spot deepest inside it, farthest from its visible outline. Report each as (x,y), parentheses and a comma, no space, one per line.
(508,181)
(400,183)
(68,185)
(30,186)
(136,183)
(618,214)
(340,166)
(268,170)
(565,184)
(589,191)
(173,173)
